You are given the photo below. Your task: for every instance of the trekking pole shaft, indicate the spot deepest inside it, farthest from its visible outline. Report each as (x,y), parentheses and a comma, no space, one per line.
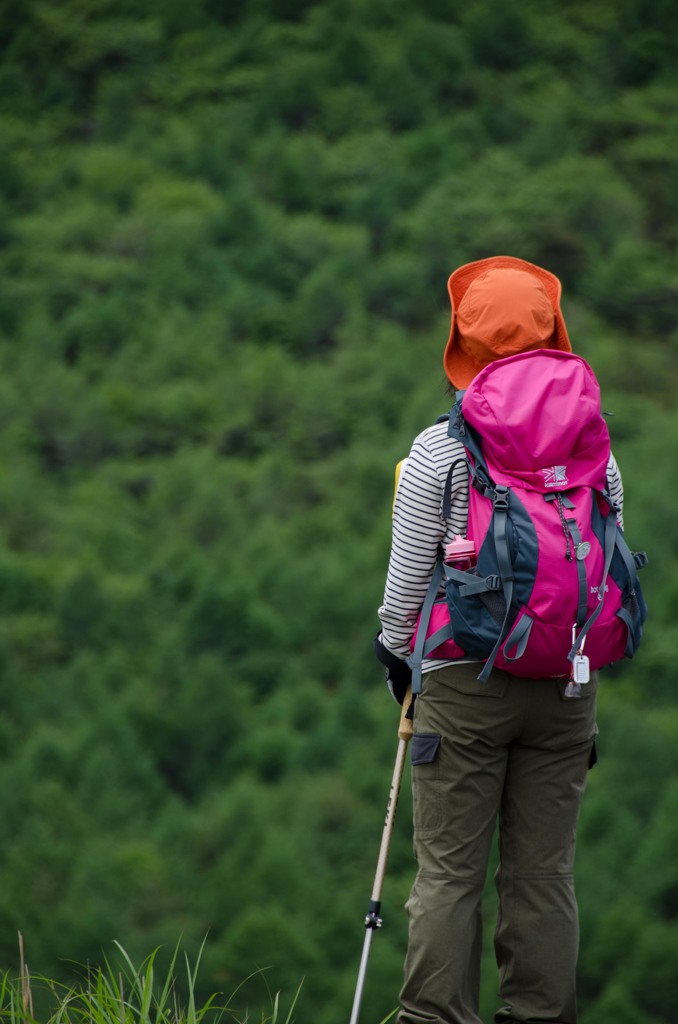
(362,972)
(391,808)
(373,921)
(404,735)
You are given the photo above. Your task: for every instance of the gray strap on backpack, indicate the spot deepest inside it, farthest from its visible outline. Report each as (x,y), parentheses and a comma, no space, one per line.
(439,637)
(500,523)
(424,646)
(416,658)
(517,638)
(579,557)
(610,543)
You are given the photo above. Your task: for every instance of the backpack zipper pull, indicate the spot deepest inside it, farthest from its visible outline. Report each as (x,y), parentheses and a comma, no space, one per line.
(580,671)
(561,513)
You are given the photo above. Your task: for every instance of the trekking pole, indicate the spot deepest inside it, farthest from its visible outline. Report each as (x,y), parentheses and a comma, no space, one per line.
(373,920)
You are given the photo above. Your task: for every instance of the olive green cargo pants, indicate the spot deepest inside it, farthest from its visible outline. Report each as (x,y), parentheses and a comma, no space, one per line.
(517,751)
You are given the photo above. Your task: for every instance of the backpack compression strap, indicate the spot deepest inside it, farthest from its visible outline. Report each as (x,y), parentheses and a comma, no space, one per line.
(421,649)
(500,504)
(610,539)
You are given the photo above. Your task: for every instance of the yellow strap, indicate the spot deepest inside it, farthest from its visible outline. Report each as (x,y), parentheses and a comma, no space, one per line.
(398,471)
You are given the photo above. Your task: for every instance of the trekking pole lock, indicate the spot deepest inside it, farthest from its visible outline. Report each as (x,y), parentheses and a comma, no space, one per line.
(372,920)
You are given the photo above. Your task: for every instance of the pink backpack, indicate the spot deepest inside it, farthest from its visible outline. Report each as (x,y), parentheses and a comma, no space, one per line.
(554,592)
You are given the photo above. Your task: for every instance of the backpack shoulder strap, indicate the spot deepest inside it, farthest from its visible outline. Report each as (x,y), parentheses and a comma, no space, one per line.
(499,524)
(500,497)
(463,432)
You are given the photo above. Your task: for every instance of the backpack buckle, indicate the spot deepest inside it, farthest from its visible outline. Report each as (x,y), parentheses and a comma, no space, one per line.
(640,559)
(500,502)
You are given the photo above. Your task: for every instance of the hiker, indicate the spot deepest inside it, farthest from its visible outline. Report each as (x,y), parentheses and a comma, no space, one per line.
(509,749)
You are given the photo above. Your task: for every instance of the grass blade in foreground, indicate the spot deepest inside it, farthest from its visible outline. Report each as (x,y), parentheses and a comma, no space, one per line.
(127,996)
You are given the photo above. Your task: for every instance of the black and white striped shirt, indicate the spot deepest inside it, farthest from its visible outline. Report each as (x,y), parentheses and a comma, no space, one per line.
(419,528)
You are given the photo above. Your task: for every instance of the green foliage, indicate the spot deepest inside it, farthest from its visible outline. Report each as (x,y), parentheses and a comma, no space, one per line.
(225,231)
(121,991)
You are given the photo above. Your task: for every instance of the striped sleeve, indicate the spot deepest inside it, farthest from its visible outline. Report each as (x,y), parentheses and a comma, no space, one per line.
(616,488)
(419,528)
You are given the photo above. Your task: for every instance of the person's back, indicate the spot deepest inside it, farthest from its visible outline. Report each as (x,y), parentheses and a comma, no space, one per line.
(509,749)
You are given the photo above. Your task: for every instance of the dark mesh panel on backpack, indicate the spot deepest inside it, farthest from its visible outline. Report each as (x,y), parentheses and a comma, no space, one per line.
(630,603)
(495,604)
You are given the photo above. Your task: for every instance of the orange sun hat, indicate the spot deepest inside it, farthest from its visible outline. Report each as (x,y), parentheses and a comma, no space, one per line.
(500,306)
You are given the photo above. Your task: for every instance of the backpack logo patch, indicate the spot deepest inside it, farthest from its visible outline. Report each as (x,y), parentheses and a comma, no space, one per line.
(555,476)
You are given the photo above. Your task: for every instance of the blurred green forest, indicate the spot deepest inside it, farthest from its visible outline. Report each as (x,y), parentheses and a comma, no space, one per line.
(225,234)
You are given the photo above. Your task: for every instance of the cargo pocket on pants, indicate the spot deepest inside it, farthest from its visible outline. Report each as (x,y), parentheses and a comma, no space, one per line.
(427,810)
